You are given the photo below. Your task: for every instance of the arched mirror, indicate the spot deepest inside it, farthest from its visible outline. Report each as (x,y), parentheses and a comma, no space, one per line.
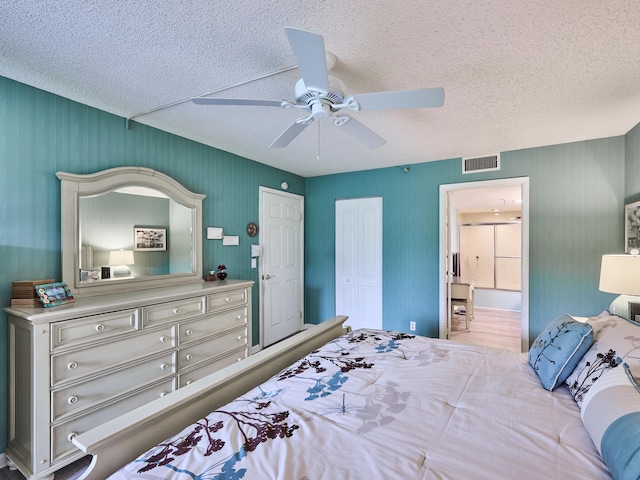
(128,228)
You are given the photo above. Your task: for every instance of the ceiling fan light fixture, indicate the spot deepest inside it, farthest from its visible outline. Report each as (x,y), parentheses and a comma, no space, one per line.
(320,110)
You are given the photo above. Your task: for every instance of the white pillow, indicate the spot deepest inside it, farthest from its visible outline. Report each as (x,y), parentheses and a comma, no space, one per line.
(615,340)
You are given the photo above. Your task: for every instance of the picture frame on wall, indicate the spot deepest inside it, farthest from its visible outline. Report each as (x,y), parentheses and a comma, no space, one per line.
(631,226)
(149,239)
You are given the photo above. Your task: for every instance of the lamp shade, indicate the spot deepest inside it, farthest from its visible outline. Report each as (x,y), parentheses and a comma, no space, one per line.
(620,274)
(121,257)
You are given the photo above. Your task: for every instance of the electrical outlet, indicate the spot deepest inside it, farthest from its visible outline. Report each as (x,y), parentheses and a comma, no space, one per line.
(412,326)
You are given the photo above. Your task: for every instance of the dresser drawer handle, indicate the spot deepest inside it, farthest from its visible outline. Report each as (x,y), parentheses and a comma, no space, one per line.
(188,331)
(189,382)
(164,366)
(99,327)
(71,436)
(188,356)
(227,299)
(177,311)
(72,365)
(240,338)
(162,394)
(164,339)
(239,317)
(72,399)
(239,359)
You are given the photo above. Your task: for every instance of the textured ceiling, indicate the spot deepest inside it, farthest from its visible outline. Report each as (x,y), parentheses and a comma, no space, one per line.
(516,74)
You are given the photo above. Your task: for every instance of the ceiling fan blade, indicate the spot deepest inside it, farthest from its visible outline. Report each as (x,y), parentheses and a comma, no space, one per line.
(308,50)
(289,134)
(236,101)
(359,131)
(424,97)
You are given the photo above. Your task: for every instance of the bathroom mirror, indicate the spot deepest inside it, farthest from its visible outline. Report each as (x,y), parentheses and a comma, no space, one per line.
(128,228)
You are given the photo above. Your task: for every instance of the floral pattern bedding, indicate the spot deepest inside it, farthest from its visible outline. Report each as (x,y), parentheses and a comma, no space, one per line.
(375,405)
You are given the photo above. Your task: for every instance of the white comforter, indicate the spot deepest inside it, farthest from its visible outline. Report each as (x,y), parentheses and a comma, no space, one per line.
(383,405)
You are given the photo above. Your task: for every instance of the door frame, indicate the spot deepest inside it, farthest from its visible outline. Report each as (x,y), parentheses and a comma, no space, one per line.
(261,238)
(445,214)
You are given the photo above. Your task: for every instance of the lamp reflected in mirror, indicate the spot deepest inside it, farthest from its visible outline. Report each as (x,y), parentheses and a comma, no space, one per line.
(119,261)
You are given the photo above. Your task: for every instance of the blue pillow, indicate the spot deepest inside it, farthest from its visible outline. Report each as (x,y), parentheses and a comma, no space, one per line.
(611,415)
(558,349)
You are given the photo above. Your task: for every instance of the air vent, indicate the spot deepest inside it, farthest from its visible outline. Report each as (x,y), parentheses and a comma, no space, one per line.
(481,164)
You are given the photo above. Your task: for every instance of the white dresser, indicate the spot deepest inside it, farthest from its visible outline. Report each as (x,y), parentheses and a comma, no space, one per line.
(75,366)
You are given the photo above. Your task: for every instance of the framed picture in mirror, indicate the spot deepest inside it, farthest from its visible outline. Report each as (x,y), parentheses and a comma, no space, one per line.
(149,239)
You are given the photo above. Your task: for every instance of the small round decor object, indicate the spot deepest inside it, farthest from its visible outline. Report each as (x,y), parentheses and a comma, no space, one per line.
(252,229)
(284,185)
(634,251)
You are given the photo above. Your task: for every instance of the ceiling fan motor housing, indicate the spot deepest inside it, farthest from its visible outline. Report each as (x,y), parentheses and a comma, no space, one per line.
(335,96)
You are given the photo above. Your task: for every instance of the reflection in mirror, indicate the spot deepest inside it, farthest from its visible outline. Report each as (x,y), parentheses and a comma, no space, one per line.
(107,225)
(128,228)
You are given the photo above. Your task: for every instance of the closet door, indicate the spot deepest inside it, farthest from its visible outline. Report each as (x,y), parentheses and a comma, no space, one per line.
(358,261)
(509,257)
(477,254)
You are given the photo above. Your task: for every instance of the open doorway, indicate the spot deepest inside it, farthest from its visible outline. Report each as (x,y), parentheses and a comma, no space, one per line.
(484,243)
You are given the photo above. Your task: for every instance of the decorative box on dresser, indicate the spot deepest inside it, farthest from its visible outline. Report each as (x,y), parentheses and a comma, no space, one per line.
(76,366)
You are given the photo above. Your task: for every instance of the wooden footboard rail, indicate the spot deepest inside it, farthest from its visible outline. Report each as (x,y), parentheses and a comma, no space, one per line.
(123,439)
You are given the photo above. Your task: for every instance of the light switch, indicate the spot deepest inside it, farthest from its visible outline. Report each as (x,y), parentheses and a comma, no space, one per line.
(255,250)
(254,263)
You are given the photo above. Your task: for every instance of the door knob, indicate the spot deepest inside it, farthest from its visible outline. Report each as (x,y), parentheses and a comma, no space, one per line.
(267,276)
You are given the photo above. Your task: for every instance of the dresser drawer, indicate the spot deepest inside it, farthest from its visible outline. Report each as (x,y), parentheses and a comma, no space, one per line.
(210,325)
(221,301)
(69,366)
(96,327)
(173,311)
(63,433)
(209,368)
(75,398)
(201,352)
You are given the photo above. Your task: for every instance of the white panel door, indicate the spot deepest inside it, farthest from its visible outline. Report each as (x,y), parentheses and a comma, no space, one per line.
(282,289)
(358,261)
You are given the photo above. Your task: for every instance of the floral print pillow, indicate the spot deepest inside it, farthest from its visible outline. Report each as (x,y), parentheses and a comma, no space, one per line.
(617,340)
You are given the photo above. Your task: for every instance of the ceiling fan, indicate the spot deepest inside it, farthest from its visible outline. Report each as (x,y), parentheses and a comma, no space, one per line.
(322,95)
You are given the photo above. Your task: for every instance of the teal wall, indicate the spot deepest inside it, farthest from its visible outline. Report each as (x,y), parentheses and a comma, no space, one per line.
(577,193)
(576,204)
(42,133)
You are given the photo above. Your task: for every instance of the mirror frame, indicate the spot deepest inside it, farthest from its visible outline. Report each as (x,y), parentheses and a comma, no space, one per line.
(74,186)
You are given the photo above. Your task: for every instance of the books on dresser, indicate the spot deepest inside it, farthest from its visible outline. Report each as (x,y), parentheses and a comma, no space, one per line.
(23,292)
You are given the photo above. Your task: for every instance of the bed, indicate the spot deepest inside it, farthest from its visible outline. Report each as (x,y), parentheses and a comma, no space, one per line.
(361,405)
